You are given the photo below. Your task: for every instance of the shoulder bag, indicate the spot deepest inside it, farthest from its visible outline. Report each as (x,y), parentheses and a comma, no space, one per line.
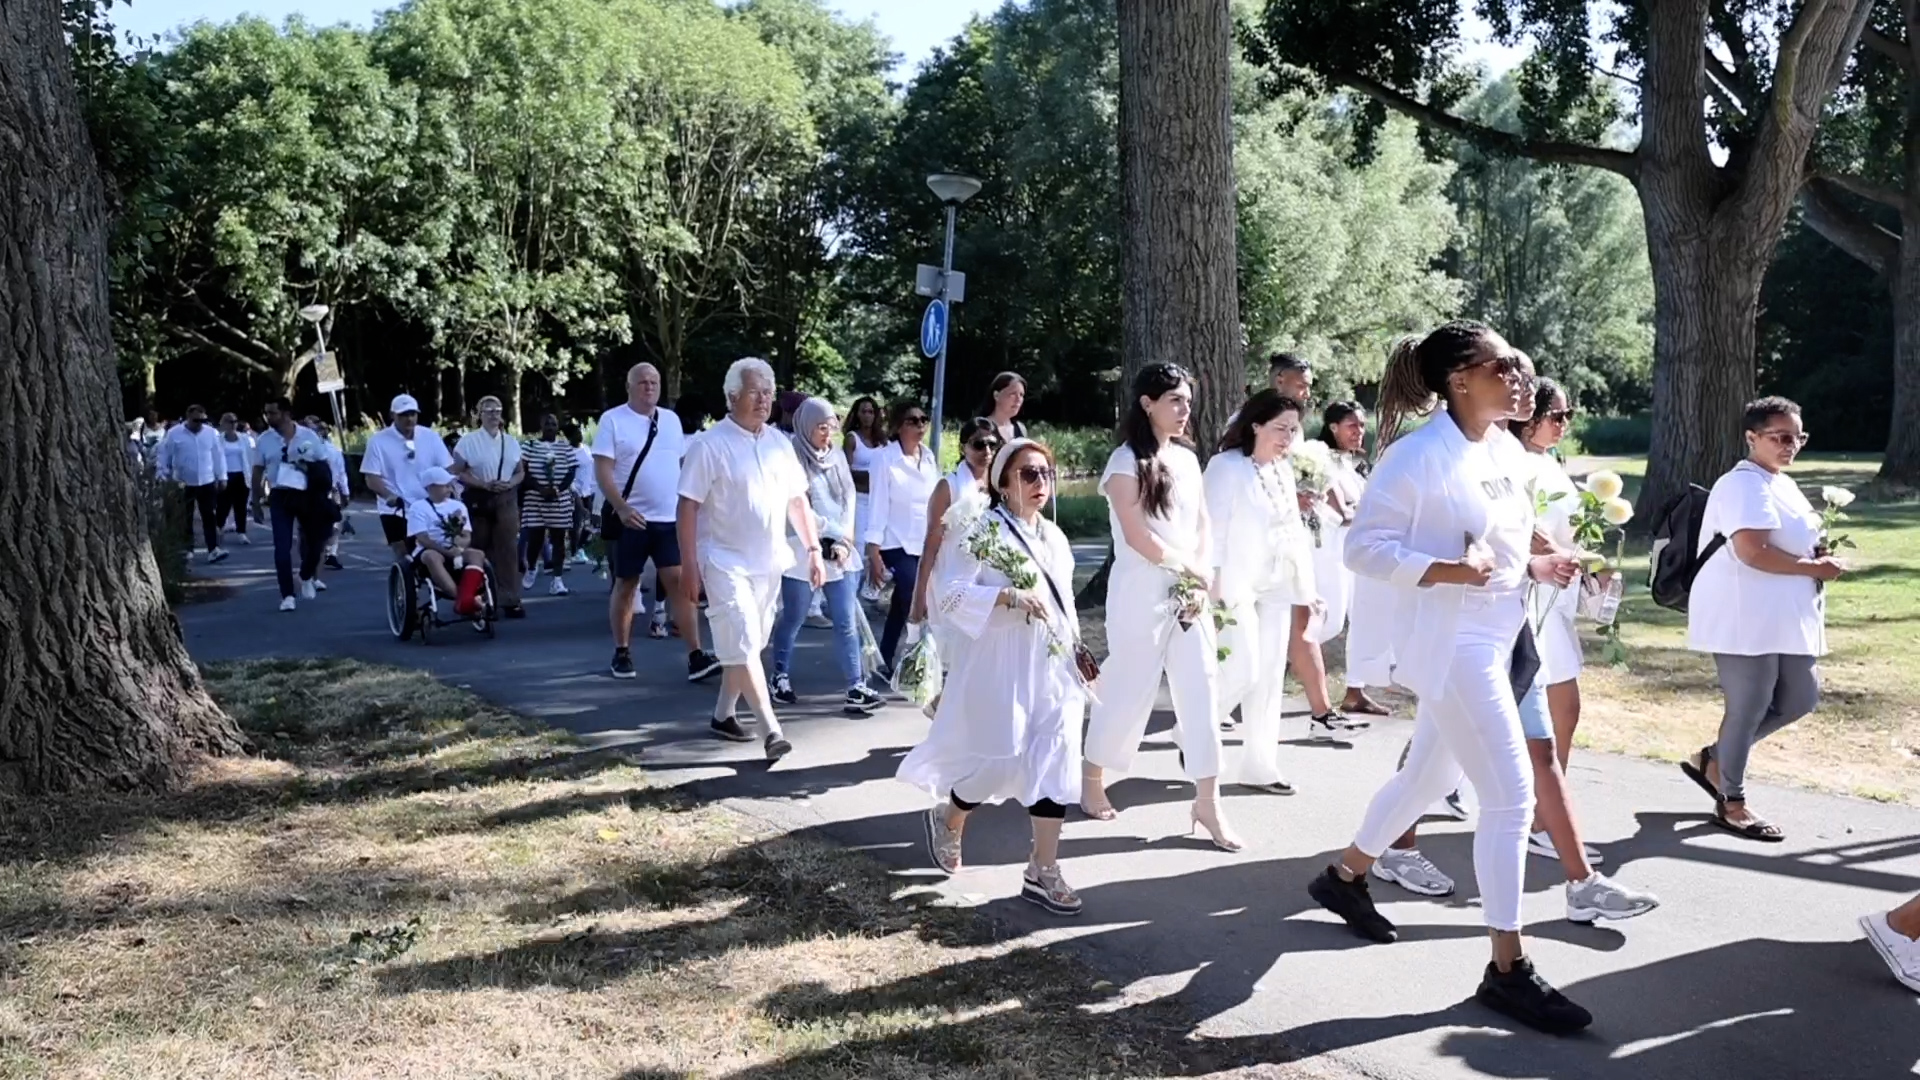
(1084,662)
(610,523)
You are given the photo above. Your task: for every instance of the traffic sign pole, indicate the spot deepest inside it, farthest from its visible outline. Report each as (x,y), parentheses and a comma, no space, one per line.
(940,362)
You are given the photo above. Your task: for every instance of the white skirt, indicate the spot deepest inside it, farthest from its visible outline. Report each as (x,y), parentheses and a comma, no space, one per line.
(1559,642)
(1335,582)
(1008,710)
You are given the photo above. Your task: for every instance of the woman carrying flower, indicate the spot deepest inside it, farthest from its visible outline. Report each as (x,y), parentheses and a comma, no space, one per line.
(1008,723)
(1263,561)
(1759,607)
(978,443)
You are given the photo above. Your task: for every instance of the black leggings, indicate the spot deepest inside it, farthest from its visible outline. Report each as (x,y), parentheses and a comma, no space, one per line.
(538,537)
(1045,808)
(233,500)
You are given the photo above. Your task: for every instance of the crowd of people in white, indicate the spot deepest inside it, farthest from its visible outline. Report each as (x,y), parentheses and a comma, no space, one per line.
(1449,558)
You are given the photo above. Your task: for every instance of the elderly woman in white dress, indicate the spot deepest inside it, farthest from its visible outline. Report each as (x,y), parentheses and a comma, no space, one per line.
(1008,723)
(1263,563)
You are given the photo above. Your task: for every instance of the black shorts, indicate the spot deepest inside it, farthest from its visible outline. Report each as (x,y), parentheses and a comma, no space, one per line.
(659,541)
(394,526)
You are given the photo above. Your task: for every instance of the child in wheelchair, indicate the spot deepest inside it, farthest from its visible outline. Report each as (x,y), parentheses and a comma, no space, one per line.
(442,535)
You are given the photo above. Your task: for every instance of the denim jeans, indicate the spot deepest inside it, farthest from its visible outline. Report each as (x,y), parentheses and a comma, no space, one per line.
(290,509)
(796,596)
(905,569)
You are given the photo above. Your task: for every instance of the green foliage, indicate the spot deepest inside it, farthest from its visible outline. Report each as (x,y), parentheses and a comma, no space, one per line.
(1082,517)
(1077,451)
(162,505)
(1609,435)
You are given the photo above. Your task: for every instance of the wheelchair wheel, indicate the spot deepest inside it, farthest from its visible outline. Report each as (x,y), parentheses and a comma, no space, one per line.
(426,606)
(403,617)
(489,621)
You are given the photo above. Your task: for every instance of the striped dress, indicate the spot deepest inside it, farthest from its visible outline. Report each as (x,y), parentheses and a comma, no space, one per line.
(551,466)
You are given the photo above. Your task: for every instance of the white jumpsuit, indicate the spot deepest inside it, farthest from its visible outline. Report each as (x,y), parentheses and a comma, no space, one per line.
(1146,641)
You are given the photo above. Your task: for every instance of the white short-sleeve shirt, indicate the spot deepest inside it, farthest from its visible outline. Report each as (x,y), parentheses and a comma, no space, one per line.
(1741,611)
(621,436)
(399,461)
(744,482)
(1179,528)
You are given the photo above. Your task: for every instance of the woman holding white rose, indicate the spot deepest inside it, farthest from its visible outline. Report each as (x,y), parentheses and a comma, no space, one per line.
(1759,607)
(1263,565)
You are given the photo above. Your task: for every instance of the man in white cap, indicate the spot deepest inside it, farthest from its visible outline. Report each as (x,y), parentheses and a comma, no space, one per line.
(740,488)
(395,458)
(440,528)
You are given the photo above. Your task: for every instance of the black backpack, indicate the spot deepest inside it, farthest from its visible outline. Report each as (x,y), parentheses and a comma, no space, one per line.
(1676,539)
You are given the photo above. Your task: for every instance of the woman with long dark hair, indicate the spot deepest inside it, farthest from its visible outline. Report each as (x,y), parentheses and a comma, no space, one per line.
(903,478)
(978,444)
(1448,522)
(1262,557)
(1162,541)
(866,436)
(1343,428)
(1005,397)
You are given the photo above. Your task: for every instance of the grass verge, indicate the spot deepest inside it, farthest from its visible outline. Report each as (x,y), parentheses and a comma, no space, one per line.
(409,883)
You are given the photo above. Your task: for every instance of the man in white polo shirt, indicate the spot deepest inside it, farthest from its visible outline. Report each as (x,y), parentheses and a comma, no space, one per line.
(740,487)
(637,451)
(394,459)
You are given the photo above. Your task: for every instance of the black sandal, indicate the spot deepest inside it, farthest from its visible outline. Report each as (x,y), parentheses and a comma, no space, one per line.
(1698,774)
(1758,828)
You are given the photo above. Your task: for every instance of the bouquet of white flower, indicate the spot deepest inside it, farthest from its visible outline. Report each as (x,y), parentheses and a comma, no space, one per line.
(453,527)
(1312,472)
(1836,500)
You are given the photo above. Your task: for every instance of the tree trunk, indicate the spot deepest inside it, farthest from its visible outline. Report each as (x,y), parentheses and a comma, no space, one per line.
(1179,293)
(511,399)
(1902,462)
(96,689)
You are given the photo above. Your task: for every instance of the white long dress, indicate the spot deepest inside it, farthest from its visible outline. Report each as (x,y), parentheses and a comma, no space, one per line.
(1261,551)
(960,482)
(1008,725)
(1330,573)
(1552,610)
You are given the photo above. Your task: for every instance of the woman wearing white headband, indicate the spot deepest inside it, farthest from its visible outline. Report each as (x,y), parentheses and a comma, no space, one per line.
(1008,723)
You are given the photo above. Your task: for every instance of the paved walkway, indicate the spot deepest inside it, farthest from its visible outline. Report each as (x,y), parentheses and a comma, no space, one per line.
(1752,970)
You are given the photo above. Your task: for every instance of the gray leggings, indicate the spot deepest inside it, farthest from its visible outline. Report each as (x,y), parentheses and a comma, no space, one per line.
(1764,694)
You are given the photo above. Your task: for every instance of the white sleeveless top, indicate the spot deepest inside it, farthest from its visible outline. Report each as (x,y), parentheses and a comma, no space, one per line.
(862,458)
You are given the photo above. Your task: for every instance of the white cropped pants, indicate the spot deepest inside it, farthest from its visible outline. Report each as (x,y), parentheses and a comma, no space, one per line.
(1254,677)
(1470,729)
(1142,645)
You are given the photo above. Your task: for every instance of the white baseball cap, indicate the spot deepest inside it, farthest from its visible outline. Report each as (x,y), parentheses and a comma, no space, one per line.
(434,474)
(405,404)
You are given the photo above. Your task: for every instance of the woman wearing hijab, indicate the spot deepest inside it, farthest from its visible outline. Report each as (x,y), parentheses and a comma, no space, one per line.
(830,495)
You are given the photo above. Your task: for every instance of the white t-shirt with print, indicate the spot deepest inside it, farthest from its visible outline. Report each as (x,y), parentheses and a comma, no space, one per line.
(1741,611)
(621,436)
(1495,474)
(744,482)
(432,518)
(1179,528)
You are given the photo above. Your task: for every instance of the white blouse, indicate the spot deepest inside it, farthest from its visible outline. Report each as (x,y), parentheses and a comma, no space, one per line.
(1260,542)
(900,489)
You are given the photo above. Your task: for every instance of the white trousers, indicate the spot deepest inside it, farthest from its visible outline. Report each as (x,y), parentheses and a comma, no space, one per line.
(1142,645)
(1371,613)
(1254,677)
(1471,729)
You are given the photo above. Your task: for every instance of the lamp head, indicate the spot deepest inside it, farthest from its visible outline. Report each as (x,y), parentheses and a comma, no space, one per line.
(953,187)
(313,313)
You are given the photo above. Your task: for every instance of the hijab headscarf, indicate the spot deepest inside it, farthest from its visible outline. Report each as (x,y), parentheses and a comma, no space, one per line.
(830,463)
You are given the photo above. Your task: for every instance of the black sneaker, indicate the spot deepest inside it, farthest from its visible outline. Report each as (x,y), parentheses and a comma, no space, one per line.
(730,730)
(1334,724)
(1353,903)
(623,664)
(783,690)
(515,612)
(332,562)
(777,748)
(862,701)
(1523,995)
(702,665)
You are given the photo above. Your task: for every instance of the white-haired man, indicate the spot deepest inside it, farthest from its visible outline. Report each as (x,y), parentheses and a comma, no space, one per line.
(740,488)
(637,451)
(395,458)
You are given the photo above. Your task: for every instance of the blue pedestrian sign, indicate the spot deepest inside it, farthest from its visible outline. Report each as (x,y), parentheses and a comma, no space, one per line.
(933,328)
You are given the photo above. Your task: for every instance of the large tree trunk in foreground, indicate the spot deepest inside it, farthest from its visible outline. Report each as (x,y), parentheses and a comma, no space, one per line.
(1179,293)
(1902,463)
(95,687)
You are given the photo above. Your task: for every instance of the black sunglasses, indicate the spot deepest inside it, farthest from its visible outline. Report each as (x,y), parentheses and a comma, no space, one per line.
(1559,416)
(1033,474)
(984,444)
(916,421)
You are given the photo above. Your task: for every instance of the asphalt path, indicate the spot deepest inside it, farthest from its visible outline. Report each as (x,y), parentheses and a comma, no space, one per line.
(1753,968)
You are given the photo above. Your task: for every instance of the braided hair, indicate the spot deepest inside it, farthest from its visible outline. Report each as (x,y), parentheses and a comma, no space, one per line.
(1416,377)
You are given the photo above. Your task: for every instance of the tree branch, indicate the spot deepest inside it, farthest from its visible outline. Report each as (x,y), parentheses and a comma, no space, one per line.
(1851,232)
(1550,151)
(1899,52)
(195,337)
(1724,85)
(1884,194)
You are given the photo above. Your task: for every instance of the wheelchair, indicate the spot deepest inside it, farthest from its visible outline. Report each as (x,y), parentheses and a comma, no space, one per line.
(414,604)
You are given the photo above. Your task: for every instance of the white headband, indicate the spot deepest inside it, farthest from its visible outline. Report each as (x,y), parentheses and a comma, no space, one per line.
(1005,455)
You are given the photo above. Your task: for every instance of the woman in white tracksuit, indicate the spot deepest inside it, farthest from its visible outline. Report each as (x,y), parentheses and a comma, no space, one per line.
(1448,522)
(1263,560)
(1161,536)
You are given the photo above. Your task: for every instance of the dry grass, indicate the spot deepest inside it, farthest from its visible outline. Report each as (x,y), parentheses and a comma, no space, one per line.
(410,884)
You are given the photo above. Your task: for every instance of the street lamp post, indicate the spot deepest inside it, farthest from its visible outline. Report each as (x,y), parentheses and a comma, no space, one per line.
(315,314)
(952,189)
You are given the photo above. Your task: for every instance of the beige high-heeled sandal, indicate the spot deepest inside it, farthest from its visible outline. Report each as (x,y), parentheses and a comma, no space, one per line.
(1218,830)
(1097,807)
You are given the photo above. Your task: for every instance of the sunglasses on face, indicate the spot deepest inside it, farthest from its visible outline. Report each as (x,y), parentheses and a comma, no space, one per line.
(1034,474)
(1558,416)
(1785,438)
(915,421)
(984,444)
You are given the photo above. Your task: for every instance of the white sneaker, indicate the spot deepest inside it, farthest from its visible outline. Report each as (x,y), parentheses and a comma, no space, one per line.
(246,540)
(581,558)
(1413,872)
(216,555)
(286,603)
(319,586)
(1901,952)
(557,587)
(527,581)
(1600,897)
(819,622)
(1541,844)
(307,591)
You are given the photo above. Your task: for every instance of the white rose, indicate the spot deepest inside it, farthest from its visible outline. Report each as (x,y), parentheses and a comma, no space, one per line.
(1616,511)
(1606,484)
(1837,497)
